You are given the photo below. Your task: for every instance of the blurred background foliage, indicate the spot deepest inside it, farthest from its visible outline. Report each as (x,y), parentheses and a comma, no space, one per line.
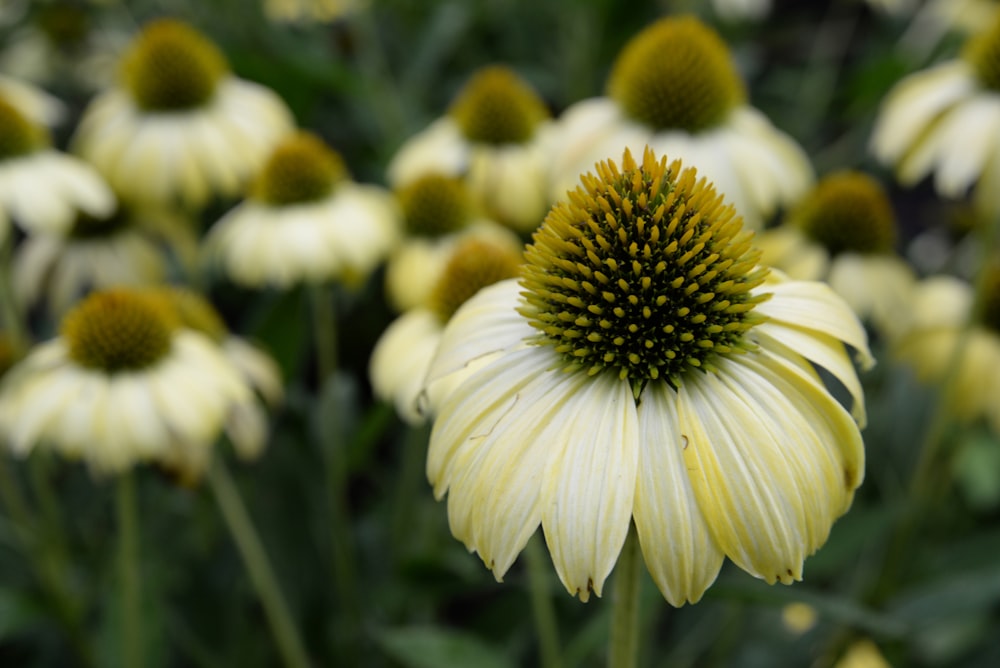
(921,580)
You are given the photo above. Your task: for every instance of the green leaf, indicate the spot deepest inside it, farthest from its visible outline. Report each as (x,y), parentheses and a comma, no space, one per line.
(429,647)
(19,612)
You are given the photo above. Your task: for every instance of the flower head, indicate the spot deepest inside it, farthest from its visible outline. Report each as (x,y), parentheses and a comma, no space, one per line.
(844,232)
(179,128)
(120,385)
(304,220)
(941,121)
(495,137)
(674,88)
(646,368)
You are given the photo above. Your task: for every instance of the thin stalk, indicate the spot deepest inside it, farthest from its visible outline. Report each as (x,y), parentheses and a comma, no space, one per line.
(128,563)
(258,566)
(546,627)
(48,562)
(10,314)
(334,452)
(624,644)
(407,488)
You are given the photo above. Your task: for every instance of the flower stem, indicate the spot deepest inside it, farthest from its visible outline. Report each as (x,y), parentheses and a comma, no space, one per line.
(325,331)
(411,473)
(49,562)
(541,603)
(258,566)
(10,314)
(624,650)
(128,544)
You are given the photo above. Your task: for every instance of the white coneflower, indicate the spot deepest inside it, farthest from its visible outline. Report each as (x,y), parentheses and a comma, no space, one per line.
(674,88)
(403,353)
(180,129)
(33,102)
(844,232)
(122,384)
(945,121)
(496,136)
(645,368)
(43,189)
(304,220)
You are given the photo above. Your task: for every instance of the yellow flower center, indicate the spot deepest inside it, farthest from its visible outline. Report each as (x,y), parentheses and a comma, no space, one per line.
(434,205)
(117,330)
(474,264)
(645,271)
(171,67)
(498,107)
(847,211)
(677,73)
(192,311)
(7,354)
(301,169)
(982,51)
(18,134)
(86,226)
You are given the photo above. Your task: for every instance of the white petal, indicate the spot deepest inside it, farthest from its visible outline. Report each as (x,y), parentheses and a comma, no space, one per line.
(679,551)
(589,483)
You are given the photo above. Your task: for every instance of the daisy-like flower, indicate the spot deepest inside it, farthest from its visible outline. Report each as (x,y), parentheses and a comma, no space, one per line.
(97,252)
(843,232)
(304,220)
(674,88)
(306,11)
(945,122)
(438,212)
(935,344)
(246,424)
(122,384)
(180,128)
(496,134)
(645,368)
(403,353)
(43,189)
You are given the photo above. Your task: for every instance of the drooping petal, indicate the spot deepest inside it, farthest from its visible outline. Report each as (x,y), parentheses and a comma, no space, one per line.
(589,483)
(678,548)
(766,463)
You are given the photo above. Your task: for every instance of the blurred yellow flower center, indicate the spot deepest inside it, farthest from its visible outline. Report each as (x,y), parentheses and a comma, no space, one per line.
(86,226)
(18,135)
(645,271)
(677,73)
(847,212)
(982,51)
(301,169)
(498,107)
(171,67)
(434,205)
(192,311)
(474,264)
(117,330)
(7,355)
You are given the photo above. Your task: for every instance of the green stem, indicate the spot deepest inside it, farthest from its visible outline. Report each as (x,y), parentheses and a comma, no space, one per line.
(324,330)
(539,570)
(258,566)
(128,537)
(411,474)
(624,650)
(49,568)
(335,456)
(10,314)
